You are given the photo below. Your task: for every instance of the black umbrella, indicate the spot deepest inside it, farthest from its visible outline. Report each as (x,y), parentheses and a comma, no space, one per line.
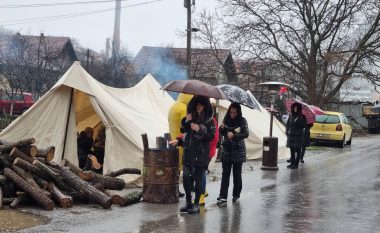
(194,87)
(238,95)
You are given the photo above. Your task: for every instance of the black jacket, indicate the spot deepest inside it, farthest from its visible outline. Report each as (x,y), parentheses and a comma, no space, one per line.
(234,150)
(295,128)
(196,144)
(306,136)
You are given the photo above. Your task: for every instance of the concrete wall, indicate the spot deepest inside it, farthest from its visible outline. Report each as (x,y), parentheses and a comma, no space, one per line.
(353,111)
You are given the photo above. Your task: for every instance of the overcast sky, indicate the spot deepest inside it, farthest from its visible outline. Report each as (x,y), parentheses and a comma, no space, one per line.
(153,24)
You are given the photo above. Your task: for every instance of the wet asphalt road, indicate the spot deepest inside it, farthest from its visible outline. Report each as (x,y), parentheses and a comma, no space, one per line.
(336,190)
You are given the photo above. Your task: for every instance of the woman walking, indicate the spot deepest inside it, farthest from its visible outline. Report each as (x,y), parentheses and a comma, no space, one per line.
(233,152)
(295,132)
(199,130)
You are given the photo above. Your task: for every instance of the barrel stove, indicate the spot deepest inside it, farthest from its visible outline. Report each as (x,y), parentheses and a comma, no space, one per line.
(161,171)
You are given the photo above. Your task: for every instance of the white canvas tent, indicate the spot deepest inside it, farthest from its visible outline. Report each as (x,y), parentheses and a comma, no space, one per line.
(258,123)
(77,101)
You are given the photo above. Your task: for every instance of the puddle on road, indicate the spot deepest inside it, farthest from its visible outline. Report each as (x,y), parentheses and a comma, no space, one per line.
(13,220)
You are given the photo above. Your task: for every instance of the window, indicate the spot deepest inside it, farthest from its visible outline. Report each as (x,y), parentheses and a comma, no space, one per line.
(327,119)
(345,120)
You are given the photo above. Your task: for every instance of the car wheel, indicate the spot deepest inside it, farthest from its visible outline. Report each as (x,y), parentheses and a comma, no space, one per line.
(341,143)
(349,141)
(24,110)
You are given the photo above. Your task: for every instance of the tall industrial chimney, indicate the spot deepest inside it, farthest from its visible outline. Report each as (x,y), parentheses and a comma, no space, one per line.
(116,29)
(108,47)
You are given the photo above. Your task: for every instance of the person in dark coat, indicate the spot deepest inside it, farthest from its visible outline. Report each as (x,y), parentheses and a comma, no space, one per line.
(306,141)
(233,151)
(295,132)
(84,146)
(199,130)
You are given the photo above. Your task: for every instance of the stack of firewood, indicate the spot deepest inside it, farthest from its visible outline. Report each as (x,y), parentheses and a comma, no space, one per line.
(29,176)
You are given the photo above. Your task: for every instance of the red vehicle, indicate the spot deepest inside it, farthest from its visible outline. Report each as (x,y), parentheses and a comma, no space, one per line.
(20,102)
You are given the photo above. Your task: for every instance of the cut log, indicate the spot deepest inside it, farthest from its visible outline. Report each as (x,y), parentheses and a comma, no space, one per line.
(16,153)
(8,200)
(8,146)
(26,176)
(42,160)
(47,153)
(99,186)
(54,175)
(30,168)
(71,166)
(29,179)
(22,198)
(124,171)
(110,182)
(94,195)
(41,182)
(63,200)
(29,150)
(1,197)
(124,197)
(39,197)
(4,162)
(54,165)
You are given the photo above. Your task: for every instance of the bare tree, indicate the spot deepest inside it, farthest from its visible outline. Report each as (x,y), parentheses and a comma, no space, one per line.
(318,44)
(31,64)
(116,71)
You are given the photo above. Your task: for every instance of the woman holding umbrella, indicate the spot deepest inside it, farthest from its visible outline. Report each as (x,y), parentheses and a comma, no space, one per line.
(199,130)
(233,151)
(295,132)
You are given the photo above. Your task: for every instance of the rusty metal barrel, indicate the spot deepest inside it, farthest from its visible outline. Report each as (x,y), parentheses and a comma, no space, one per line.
(160,172)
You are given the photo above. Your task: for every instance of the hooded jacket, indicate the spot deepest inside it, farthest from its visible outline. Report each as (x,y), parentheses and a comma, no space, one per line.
(196,144)
(176,112)
(234,150)
(295,127)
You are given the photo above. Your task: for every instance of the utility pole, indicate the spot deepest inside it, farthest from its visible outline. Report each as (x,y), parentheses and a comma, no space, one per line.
(188,4)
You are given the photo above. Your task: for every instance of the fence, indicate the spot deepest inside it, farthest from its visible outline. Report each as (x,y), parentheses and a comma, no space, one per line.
(5,121)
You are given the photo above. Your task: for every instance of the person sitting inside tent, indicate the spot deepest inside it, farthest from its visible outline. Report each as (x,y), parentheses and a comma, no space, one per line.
(85,143)
(99,146)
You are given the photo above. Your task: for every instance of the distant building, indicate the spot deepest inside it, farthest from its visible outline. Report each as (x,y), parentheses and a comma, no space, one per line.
(57,51)
(357,90)
(166,64)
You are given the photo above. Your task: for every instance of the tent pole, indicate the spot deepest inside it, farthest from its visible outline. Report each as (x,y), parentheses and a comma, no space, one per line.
(67,122)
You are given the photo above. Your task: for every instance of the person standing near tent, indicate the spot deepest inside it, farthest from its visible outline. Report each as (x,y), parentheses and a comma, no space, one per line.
(199,130)
(212,154)
(233,151)
(295,132)
(176,113)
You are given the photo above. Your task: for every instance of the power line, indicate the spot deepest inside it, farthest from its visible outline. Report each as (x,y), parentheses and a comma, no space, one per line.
(59,17)
(58,4)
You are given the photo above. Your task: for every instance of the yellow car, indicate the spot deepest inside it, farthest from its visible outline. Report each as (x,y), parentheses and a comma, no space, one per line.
(331,127)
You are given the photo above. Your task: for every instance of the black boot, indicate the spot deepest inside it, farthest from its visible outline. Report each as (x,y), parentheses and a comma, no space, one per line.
(186,208)
(288,161)
(194,209)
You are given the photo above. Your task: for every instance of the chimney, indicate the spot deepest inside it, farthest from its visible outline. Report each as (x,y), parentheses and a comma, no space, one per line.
(116,29)
(108,47)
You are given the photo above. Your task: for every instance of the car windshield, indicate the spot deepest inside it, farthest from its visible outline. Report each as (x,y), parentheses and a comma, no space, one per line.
(327,119)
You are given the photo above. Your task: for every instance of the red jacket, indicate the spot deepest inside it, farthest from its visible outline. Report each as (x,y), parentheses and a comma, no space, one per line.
(214,142)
